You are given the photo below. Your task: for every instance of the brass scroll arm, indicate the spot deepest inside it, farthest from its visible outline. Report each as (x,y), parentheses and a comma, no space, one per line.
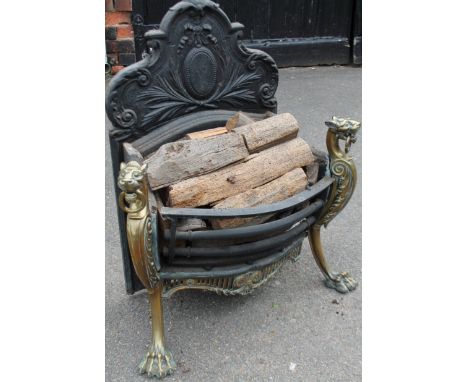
(342,166)
(343,170)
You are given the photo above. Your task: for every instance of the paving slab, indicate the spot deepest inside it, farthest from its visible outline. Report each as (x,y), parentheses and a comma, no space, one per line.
(291,329)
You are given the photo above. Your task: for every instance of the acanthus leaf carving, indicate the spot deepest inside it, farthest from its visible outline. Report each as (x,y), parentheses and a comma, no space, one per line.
(169,97)
(160,88)
(125,119)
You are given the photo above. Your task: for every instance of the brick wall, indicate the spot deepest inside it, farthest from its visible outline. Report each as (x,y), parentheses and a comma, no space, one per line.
(120,46)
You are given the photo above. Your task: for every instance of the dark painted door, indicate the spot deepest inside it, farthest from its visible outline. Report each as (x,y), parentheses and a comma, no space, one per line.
(294,32)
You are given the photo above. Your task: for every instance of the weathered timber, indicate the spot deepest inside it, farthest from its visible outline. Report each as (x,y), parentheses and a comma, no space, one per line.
(269,132)
(130,153)
(237,120)
(232,122)
(231,180)
(206,133)
(191,224)
(281,188)
(180,160)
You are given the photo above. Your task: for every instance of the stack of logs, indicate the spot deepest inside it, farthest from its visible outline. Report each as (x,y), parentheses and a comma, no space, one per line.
(243,164)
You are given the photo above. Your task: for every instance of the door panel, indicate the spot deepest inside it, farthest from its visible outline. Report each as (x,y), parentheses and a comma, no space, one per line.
(294,32)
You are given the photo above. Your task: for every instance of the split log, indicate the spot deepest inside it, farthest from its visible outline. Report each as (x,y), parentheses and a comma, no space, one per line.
(269,132)
(180,160)
(231,180)
(130,153)
(281,188)
(206,133)
(239,119)
(151,141)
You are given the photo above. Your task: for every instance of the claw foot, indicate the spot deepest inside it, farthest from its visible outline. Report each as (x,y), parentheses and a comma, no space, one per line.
(157,363)
(342,282)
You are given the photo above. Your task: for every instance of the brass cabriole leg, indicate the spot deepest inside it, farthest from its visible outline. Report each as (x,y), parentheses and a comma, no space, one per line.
(342,282)
(158,362)
(342,168)
(133,200)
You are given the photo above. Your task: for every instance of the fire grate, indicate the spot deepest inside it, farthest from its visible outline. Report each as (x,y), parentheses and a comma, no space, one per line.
(197,74)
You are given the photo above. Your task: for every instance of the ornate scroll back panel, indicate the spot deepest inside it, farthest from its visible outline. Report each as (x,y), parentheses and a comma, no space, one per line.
(195,62)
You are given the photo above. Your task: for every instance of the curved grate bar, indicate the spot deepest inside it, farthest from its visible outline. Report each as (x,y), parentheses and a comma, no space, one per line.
(213,213)
(247,248)
(249,231)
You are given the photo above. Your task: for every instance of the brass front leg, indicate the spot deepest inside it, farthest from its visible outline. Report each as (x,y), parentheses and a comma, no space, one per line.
(158,362)
(343,169)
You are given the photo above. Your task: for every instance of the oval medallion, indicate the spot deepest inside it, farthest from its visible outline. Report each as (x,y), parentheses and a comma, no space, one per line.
(200,72)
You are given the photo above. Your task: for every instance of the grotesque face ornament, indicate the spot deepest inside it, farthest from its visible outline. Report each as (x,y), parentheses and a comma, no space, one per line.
(131,176)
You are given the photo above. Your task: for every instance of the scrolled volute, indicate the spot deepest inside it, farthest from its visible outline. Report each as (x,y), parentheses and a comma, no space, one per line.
(342,166)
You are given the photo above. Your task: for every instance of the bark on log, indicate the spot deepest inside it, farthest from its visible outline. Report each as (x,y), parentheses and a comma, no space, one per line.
(149,142)
(253,172)
(180,160)
(269,132)
(281,188)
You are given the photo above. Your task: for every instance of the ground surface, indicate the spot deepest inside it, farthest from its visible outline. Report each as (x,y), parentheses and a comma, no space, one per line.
(291,319)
